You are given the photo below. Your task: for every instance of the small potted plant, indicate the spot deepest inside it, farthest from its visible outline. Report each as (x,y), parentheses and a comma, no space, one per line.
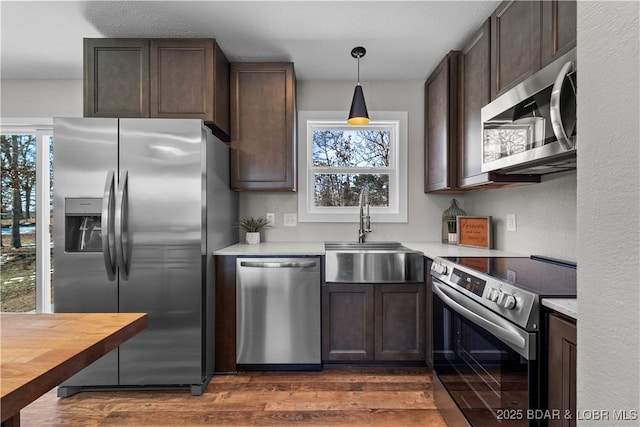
(253,226)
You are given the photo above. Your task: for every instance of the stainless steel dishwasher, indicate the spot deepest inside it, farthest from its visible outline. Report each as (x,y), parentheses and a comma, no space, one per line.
(278,312)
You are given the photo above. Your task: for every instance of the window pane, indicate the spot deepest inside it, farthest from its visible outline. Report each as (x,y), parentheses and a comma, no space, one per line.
(351,148)
(18,251)
(343,189)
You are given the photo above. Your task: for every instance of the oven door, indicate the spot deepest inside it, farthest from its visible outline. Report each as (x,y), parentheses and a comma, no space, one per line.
(486,364)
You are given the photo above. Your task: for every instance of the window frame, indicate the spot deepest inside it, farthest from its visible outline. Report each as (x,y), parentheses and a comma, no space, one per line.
(42,128)
(397,121)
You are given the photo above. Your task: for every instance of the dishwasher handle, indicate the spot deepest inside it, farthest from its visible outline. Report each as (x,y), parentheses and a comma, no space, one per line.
(284,264)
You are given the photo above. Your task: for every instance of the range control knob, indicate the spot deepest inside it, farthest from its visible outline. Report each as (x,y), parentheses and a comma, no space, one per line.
(506,301)
(439,268)
(509,302)
(493,294)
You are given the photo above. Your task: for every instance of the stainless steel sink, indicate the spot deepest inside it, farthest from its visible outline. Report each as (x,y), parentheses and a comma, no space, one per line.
(372,262)
(338,246)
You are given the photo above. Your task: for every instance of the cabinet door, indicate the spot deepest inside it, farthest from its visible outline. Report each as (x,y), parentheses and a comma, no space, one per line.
(515,44)
(116,78)
(225,323)
(400,322)
(263,127)
(558,29)
(347,322)
(440,96)
(474,74)
(189,79)
(429,312)
(562,369)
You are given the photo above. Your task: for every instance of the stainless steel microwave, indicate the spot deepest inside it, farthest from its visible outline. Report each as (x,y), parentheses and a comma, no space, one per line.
(531,129)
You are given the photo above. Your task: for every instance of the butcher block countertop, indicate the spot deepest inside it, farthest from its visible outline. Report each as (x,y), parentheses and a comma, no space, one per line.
(40,351)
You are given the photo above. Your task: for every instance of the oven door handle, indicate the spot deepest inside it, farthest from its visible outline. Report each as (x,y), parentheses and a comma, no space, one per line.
(519,340)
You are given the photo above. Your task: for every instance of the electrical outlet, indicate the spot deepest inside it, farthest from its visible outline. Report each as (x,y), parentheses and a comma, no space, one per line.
(511,222)
(271,218)
(290,220)
(511,276)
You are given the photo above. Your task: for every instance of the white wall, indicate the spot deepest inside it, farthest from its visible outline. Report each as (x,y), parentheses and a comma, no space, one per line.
(40,98)
(545,216)
(608,227)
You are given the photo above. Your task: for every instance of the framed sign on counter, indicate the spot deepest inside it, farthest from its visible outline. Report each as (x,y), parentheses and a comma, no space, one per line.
(474,231)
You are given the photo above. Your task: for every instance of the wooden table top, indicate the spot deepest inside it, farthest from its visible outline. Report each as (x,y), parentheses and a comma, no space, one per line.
(40,351)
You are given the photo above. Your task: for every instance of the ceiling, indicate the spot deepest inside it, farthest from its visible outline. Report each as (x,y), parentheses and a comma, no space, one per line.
(405,40)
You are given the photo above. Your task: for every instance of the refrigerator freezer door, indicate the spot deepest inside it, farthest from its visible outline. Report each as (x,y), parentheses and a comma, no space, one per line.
(162,247)
(86,151)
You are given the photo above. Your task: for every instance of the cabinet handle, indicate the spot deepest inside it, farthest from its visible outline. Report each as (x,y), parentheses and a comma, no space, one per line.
(262,264)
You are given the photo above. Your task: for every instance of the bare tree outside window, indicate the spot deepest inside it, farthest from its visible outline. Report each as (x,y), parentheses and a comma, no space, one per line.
(17,241)
(344,161)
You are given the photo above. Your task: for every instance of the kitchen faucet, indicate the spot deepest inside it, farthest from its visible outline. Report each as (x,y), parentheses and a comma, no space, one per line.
(365,220)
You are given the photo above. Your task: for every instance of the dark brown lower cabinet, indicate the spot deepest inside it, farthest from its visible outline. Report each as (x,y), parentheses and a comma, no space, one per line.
(429,311)
(347,322)
(373,322)
(399,322)
(561,377)
(225,327)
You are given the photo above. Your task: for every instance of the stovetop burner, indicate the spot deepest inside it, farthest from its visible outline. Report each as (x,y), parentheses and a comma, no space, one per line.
(542,276)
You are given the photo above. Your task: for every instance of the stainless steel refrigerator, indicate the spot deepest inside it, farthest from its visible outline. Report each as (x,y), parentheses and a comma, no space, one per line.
(139,207)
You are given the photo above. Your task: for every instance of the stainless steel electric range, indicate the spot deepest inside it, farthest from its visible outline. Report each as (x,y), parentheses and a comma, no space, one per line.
(487,336)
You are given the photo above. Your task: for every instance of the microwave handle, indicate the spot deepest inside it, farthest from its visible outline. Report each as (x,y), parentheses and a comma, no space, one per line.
(554,107)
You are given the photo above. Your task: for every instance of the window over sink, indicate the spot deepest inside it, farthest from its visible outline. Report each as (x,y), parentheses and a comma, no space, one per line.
(336,161)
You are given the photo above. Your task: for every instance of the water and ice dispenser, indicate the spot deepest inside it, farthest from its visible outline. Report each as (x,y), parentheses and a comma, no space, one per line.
(83,228)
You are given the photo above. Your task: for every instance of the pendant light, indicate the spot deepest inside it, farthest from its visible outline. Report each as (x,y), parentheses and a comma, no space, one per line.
(358,114)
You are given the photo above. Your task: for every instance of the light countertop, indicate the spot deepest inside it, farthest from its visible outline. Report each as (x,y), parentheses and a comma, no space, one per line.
(274,248)
(430,249)
(566,306)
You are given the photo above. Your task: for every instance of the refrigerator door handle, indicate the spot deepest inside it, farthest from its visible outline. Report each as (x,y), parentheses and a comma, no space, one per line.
(108,238)
(122,226)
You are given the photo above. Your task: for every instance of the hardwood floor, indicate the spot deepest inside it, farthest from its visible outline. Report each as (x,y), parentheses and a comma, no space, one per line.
(337,396)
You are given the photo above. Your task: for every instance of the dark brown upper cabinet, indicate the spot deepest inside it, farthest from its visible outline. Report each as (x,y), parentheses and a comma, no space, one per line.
(559,23)
(116,78)
(526,36)
(169,78)
(263,115)
(515,41)
(474,89)
(441,132)
(190,80)
(474,74)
